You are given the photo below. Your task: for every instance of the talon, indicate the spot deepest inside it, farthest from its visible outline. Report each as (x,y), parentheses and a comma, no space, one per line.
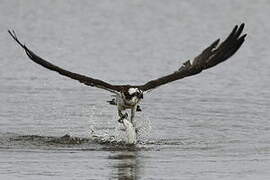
(138,108)
(120,120)
(125,115)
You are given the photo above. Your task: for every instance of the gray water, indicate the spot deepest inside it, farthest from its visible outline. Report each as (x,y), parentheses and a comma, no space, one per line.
(211,126)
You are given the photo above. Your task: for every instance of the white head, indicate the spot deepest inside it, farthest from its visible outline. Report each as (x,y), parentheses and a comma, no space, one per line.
(133,90)
(133,95)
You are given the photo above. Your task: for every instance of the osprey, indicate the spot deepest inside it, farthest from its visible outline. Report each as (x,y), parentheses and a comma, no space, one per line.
(129,96)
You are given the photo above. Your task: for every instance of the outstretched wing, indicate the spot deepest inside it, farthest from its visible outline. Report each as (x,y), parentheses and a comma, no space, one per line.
(81,78)
(211,56)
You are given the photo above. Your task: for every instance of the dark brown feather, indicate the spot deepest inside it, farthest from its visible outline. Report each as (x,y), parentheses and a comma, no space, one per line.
(81,78)
(210,57)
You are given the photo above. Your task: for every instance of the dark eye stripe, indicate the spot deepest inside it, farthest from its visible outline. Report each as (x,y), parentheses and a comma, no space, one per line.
(128,96)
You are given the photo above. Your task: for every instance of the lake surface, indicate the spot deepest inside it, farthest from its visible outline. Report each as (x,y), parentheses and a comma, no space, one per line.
(215,125)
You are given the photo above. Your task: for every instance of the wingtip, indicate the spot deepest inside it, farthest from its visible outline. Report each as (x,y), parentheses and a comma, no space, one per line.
(10,32)
(14,36)
(240,30)
(243,36)
(234,29)
(242,24)
(241,27)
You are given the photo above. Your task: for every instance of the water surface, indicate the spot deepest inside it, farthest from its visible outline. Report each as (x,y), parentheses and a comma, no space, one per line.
(211,126)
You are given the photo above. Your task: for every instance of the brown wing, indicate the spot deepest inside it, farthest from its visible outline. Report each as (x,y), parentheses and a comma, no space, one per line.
(210,57)
(81,78)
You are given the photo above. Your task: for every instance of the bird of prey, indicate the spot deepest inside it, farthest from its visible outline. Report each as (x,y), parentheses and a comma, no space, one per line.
(129,96)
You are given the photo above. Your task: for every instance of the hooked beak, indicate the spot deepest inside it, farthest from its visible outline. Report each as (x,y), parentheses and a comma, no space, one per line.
(141,96)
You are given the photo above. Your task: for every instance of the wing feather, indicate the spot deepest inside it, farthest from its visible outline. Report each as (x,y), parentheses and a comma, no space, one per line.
(81,78)
(211,56)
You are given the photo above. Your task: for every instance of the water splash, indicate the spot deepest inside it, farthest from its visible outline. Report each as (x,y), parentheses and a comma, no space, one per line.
(130,132)
(118,132)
